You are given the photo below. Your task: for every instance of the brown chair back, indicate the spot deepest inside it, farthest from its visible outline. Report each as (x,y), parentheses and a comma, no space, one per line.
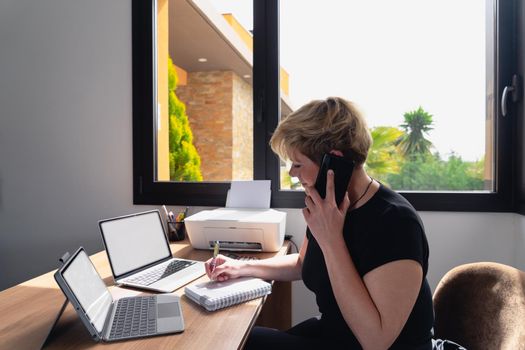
(481,306)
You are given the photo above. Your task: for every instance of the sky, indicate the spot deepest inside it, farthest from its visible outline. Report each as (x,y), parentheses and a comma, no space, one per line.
(389,57)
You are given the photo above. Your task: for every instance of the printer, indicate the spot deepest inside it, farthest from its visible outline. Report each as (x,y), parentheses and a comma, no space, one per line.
(260,230)
(244,225)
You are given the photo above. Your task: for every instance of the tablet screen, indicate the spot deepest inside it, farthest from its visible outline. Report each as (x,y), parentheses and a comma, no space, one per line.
(89,289)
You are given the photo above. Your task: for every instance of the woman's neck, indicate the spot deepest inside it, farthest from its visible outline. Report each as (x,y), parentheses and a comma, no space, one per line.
(361,187)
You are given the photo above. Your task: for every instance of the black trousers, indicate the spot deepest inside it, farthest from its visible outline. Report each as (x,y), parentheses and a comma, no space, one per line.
(305,335)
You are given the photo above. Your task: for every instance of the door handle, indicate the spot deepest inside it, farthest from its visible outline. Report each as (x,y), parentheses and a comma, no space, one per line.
(513,90)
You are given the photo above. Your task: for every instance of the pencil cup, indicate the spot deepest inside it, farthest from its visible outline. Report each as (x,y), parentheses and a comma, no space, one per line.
(176,231)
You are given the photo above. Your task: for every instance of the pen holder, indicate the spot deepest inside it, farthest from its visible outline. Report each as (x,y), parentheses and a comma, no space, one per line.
(176,230)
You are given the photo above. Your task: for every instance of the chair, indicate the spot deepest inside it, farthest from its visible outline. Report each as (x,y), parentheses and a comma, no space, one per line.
(481,306)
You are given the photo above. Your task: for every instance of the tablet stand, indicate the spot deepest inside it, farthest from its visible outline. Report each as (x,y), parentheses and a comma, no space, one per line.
(49,336)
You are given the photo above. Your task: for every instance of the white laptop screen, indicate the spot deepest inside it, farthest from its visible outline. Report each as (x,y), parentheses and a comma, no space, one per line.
(89,289)
(134,241)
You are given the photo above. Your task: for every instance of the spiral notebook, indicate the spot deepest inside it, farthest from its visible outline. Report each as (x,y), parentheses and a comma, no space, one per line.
(215,295)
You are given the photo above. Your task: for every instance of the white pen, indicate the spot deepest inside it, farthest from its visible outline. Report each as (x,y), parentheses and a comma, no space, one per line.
(166,212)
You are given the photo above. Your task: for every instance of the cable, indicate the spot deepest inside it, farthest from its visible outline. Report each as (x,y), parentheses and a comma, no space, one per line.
(289,238)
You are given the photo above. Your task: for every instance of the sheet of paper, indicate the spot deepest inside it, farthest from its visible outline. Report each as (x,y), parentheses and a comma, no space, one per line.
(249,194)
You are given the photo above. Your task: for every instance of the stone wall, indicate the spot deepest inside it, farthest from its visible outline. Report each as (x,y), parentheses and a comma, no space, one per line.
(219,107)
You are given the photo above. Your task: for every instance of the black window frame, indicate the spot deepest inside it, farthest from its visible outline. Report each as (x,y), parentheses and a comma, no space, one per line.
(266,102)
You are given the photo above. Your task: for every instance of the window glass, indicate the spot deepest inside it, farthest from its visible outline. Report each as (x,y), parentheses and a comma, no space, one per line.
(421,72)
(204,124)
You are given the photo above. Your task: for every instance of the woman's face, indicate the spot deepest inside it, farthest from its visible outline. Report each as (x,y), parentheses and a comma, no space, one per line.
(303,168)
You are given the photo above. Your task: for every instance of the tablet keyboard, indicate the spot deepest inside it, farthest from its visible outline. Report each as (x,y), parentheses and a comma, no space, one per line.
(135,316)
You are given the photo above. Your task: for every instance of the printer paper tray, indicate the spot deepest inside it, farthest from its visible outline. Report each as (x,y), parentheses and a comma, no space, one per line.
(238,246)
(235,239)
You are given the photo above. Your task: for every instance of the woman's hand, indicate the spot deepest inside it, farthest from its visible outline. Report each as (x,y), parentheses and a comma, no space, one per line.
(322,216)
(225,268)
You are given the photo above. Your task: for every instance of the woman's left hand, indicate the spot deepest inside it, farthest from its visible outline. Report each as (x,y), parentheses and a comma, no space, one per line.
(324,218)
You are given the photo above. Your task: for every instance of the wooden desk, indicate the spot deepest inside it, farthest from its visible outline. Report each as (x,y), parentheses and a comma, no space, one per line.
(28,310)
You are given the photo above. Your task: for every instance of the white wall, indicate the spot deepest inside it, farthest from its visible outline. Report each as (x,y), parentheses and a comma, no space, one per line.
(65,128)
(460,238)
(65,147)
(519,242)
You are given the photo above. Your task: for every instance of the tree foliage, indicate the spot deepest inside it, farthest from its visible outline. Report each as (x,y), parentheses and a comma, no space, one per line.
(183,156)
(431,173)
(384,157)
(417,124)
(402,159)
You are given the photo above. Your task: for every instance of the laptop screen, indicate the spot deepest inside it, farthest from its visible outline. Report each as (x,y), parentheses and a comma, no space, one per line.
(134,241)
(89,289)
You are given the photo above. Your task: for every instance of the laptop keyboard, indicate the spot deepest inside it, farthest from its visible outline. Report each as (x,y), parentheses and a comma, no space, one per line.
(153,276)
(134,317)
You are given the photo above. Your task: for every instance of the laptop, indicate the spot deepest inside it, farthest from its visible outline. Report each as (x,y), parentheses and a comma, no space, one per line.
(140,256)
(110,320)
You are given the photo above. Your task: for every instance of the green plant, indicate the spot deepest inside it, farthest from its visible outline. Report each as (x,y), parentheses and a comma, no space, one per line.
(183,156)
(417,124)
(431,173)
(384,157)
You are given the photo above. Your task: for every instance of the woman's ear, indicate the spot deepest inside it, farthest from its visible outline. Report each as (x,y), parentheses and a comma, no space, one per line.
(336,153)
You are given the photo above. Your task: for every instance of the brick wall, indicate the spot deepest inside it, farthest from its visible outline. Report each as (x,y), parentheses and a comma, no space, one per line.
(219,108)
(242,129)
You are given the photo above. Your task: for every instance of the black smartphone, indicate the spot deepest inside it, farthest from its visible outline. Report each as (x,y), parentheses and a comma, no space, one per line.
(342,173)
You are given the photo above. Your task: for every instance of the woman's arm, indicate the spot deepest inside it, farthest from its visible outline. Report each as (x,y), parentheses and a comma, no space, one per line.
(280,268)
(376,307)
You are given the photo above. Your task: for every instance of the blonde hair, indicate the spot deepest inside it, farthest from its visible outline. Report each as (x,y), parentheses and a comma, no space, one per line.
(321,126)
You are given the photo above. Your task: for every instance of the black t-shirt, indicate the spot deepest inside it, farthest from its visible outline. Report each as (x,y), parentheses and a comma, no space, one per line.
(384,229)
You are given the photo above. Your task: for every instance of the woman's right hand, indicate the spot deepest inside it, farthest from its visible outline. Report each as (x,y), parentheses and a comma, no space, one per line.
(225,268)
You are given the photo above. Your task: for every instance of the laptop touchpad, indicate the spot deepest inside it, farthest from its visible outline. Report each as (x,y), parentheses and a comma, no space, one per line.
(169,314)
(168,310)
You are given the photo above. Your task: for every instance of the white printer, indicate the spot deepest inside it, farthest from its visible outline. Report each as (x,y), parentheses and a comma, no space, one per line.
(241,226)
(237,229)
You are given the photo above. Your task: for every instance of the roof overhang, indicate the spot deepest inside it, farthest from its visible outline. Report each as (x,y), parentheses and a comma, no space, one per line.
(197,30)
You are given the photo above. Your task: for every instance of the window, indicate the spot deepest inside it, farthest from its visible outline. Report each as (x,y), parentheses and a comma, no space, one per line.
(445,69)
(204,130)
(420,83)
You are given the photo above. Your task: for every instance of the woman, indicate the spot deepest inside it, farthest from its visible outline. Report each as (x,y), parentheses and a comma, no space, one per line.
(366,260)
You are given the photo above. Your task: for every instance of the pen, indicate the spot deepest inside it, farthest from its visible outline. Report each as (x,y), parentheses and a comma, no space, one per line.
(166,212)
(213,263)
(182,215)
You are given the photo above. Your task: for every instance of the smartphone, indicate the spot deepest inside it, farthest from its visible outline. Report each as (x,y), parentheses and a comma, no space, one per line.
(342,173)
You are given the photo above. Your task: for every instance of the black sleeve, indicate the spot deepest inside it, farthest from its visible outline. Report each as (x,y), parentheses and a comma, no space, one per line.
(397,238)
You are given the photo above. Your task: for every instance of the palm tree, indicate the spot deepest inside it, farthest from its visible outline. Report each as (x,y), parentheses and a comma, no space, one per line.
(417,124)
(383,157)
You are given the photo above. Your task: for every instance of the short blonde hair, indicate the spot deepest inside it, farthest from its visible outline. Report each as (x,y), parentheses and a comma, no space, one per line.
(321,126)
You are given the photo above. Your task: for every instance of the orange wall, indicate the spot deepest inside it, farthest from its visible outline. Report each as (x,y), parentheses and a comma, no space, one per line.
(247,38)
(163,165)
